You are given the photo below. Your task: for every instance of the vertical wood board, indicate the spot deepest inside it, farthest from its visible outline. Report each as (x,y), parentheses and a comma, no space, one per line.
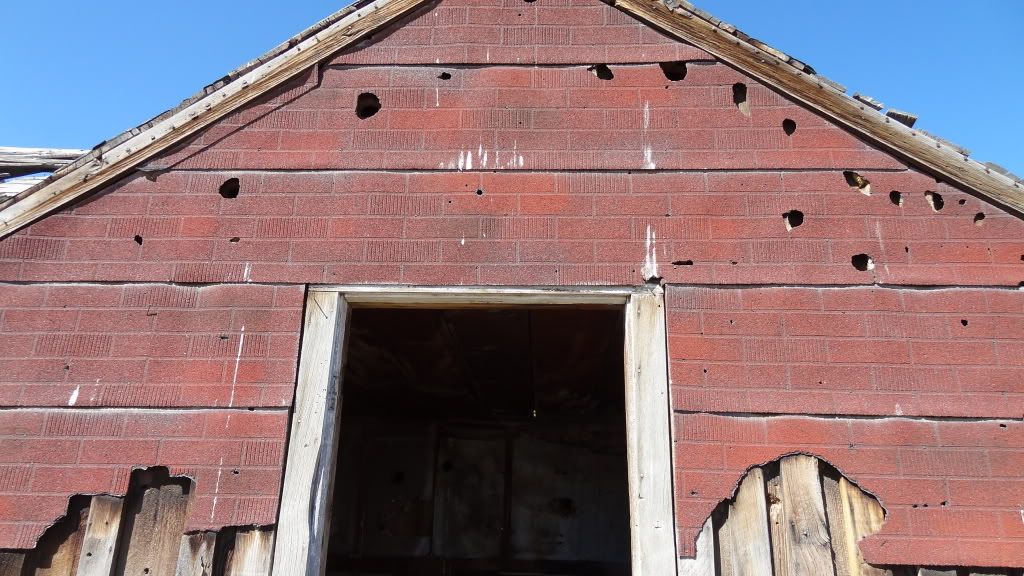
(195,556)
(153,525)
(806,548)
(102,529)
(746,544)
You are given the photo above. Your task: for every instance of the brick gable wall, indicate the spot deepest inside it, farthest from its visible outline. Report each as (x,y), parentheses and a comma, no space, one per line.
(506,173)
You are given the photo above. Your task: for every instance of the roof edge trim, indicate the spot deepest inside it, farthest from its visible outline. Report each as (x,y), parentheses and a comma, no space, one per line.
(821,95)
(110,161)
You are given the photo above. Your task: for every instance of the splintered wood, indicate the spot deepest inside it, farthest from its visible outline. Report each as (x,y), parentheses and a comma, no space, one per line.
(140,534)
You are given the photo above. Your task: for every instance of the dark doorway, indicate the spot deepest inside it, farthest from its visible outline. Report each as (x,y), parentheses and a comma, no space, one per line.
(482,441)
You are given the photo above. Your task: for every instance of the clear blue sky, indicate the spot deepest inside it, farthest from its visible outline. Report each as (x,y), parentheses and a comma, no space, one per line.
(77,72)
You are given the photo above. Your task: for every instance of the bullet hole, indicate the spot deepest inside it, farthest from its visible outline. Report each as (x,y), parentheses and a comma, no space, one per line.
(739,97)
(789,126)
(857,181)
(235,472)
(961,201)
(979,218)
(674,71)
(896,197)
(529,1)
(602,71)
(138,240)
(733,262)
(683,263)
(906,249)
(705,370)
(694,493)
(235,240)
(964,322)
(945,503)
(793,219)
(479,192)
(367,104)
(934,200)
(1002,425)
(223,337)
(444,76)
(862,262)
(230,188)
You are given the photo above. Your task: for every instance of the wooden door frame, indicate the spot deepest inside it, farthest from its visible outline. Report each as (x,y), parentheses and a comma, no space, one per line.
(303,521)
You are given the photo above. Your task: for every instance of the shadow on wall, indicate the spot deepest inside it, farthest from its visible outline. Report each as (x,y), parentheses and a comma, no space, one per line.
(141,533)
(798,515)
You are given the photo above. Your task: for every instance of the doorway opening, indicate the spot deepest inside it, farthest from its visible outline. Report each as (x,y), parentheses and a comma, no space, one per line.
(482,441)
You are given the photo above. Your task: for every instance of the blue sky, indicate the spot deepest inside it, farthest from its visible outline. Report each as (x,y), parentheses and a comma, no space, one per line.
(85,71)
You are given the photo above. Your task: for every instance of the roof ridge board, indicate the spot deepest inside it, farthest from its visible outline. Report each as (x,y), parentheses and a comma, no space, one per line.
(112,159)
(945,159)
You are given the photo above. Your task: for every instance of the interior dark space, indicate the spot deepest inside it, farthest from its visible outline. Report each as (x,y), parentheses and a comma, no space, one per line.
(482,441)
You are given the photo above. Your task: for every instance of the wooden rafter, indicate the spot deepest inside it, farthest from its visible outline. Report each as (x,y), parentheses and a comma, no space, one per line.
(16,162)
(109,162)
(792,78)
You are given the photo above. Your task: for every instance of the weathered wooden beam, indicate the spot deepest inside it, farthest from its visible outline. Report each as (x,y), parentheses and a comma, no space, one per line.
(195,556)
(102,530)
(805,543)
(743,541)
(153,523)
(111,164)
(251,553)
(818,94)
(21,161)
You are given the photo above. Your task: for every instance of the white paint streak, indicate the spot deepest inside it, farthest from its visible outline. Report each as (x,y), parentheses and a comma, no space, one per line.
(216,488)
(649,158)
(899,410)
(648,152)
(650,267)
(238,360)
(74,396)
(462,161)
(437,97)
(247,274)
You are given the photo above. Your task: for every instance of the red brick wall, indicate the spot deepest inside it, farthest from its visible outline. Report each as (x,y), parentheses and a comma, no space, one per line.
(47,455)
(153,345)
(515,174)
(952,490)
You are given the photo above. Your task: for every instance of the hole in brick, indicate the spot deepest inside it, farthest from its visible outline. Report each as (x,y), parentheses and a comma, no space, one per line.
(793,219)
(674,71)
(444,76)
(739,97)
(979,218)
(479,192)
(896,197)
(862,262)
(705,370)
(964,322)
(857,181)
(235,240)
(934,200)
(138,240)
(789,126)
(683,263)
(235,471)
(230,188)
(602,71)
(961,201)
(1002,425)
(945,503)
(906,249)
(529,1)
(367,104)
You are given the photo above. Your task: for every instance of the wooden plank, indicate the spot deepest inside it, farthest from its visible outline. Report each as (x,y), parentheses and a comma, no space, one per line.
(251,554)
(746,545)
(303,524)
(933,572)
(462,296)
(59,549)
(11,563)
(153,525)
(469,497)
(805,542)
(852,516)
(99,544)
(115,161)
(773,495)
(195,555)
(703,564)
(648,437)
(830,102)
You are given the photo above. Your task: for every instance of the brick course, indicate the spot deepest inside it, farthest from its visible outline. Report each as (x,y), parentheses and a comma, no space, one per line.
(234,457)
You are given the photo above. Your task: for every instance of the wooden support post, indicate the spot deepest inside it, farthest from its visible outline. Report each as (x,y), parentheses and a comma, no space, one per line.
(745,548)
(805,542)
(303,525)
(99,545)
(251,554)
(649,437)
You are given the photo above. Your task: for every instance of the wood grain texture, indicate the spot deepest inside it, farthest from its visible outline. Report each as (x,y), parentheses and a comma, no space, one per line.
(166,132)
(11,563)
(805,545)
(196,553)
(703,564)
(852,516)
(821,96)
(153,525)
(648,437)
(303,524)
(251,554)
(745,542)
(99,543)
(59,549)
